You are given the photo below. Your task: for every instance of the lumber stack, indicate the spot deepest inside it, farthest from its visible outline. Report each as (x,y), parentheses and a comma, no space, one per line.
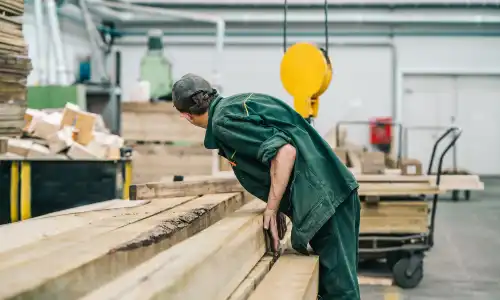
(193,240)
(15,66)
(164,143)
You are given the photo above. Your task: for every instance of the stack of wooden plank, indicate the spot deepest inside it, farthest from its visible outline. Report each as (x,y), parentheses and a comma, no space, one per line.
(190,240)
(164,143)
(15,67)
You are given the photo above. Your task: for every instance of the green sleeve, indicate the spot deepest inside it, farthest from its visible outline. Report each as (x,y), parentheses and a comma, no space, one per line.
(250,137)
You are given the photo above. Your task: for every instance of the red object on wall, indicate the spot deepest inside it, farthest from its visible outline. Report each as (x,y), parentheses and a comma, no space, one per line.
(381,130)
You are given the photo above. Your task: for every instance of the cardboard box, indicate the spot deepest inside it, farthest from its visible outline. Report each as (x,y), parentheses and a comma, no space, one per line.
(373,163)
(341,154)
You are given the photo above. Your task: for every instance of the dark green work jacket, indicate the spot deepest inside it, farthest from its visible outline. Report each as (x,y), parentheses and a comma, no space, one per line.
(249,129)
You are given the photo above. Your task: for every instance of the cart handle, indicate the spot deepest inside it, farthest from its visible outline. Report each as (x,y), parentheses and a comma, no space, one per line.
(398,125)
(456,134)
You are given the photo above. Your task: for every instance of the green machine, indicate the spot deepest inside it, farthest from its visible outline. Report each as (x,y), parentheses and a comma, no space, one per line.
(155,67)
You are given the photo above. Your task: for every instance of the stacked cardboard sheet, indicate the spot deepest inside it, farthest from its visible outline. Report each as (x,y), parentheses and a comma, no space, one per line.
(15,66)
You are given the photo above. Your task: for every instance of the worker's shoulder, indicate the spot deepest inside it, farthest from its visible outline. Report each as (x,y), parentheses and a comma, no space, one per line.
(254,101)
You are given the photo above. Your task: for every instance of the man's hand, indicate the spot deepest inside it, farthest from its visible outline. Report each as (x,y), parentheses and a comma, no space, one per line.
(271,225)
(275,224)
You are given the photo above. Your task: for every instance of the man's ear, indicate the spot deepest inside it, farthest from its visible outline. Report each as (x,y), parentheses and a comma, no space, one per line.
(187,116)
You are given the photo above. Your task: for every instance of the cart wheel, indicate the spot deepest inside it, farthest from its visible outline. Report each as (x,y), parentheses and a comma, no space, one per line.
(455,195)
(392,258)
(467,195)
(401,277)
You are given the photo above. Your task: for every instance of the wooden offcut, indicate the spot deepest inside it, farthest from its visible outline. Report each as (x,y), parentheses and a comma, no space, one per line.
(70,265)
(411,167)
(209,265)
(293,277)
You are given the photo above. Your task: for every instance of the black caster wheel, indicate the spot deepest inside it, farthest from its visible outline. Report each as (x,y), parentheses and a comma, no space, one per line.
(403,278)
(455,196)
(467,195)
(392,258)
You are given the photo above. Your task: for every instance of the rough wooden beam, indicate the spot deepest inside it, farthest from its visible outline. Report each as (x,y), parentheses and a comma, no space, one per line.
(209,265)
(43,227)
(181,189)
(252,280)
(293,277)
(248,285)
(70,265)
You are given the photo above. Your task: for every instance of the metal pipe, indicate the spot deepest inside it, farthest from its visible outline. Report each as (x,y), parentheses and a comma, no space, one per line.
(219,23)
(96,44)
(315,17)
(40,42)
(390,3)
(55,34)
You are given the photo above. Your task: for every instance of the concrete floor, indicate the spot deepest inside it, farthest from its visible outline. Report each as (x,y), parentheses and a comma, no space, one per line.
(465,261)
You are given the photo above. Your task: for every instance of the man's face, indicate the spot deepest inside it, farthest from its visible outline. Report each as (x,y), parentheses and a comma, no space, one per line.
(199,121)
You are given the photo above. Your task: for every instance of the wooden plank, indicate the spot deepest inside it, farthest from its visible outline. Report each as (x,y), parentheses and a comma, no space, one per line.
(181,189)
(99,206)
(69,266)
(145,121)
(209,265)
(387,209)
(458,182)
(389,189)
(252,280)
(394,225)
(39,228)
(391,178)
(293,277)
(250,283)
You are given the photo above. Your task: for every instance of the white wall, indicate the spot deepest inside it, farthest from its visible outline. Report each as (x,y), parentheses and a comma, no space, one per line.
(74,41)
(361,74)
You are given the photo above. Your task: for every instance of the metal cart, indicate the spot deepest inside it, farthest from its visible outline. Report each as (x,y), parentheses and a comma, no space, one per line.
(404,253)
(454,170)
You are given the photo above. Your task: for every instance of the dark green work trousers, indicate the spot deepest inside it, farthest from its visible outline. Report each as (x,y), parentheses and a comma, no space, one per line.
(336,243)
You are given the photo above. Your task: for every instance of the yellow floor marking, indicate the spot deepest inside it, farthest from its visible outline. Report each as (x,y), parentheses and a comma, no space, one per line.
(391,293)
(374,280)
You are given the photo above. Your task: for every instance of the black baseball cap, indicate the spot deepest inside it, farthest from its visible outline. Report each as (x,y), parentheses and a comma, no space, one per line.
(184,89)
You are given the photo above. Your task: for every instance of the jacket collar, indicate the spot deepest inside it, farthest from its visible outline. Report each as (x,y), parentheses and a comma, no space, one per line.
(209,136)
